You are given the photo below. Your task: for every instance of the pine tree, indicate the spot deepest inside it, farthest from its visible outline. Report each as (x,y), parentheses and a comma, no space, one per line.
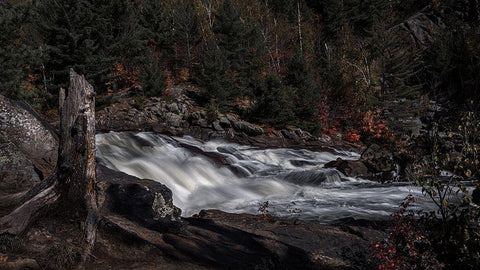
(400,66)
(15,53)
(231,35)
(274,103)
(334,18)
(152,77)
(90,37)
(299,79)
(214,78)
(229,65)
(158,25)
(186,32)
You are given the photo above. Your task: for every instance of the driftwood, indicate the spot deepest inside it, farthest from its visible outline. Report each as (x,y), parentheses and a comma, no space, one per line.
(73,182)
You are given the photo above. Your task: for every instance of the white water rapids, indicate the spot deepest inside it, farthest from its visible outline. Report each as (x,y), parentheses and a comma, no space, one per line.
(238,179)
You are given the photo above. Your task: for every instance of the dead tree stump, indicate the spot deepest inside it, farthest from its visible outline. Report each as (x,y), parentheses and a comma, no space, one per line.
(73,182)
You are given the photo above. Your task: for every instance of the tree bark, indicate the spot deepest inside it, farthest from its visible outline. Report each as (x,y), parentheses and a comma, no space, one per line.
(73,183)
(76,161)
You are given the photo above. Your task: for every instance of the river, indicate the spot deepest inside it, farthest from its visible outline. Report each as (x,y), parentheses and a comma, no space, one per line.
(239,178)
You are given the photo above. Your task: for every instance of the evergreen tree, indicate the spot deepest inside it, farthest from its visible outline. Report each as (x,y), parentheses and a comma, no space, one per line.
(232,36)
(16,55)
(333,18)
(158,25)
(89,36)
(274,103)
(299,79)
(152,77)
(230,66)
(214,78)
(186,32)
(398,80)
(452,65)
(363,14)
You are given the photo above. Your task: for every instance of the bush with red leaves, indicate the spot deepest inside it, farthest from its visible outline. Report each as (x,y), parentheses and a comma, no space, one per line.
(407,245)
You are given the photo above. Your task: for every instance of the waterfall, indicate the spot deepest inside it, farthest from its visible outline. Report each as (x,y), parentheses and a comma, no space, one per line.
(239,178)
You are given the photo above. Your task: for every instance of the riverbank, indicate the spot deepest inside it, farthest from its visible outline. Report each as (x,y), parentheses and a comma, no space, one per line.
(129,236)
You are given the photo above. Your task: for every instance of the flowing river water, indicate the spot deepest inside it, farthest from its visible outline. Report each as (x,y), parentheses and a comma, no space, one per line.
(238,178)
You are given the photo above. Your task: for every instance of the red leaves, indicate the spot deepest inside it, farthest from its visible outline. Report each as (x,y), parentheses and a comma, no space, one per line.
(352,137)
(122,77)
(374,126)
(407,246)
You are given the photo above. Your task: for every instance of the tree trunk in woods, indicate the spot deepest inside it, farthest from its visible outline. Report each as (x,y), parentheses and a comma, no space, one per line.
(76,160)
(299,22)
(73,182)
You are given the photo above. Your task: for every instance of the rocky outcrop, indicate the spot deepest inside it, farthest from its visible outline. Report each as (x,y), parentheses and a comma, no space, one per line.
(376,163)
(180,115)
(219,240)
(378,159)
(20,125)
(423,26)
(145,202)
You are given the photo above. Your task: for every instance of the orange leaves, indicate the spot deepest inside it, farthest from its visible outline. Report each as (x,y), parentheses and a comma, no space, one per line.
(352,137)
(375,127)
(122,77)
(243,103)
(30,83)
(269,130)
(183,75)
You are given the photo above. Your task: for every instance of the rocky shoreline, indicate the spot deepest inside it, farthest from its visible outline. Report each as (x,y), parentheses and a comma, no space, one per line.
(140,227)
(180,115)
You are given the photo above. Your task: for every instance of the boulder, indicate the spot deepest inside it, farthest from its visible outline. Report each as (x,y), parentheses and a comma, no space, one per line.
(17,172)
(378,159)
(143,201)
(173,120)
(20,125)
(246,127)
(350,168)
(422,27)
(217,126)
(224,122)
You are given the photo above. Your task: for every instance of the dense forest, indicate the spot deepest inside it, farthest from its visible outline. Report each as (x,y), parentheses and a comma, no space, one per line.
(402,73)
(319,65)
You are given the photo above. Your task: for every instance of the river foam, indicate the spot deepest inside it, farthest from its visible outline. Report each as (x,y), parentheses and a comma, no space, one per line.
(238,178)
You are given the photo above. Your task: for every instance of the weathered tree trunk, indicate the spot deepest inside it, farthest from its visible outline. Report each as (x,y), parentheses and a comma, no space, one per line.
(73,182)
(76,161)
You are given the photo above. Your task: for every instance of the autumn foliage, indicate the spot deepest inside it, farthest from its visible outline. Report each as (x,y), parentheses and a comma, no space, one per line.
(407,245)
(374,126)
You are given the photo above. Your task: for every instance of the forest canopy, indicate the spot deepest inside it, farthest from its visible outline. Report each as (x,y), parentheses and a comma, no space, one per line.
(319,65)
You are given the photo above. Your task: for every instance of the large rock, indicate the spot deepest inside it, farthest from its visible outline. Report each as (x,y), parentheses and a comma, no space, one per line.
(246,127)
(381,163)
(350,168)
(20,125)
(378,159)
(422,27)
(17,172)
(145,202)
